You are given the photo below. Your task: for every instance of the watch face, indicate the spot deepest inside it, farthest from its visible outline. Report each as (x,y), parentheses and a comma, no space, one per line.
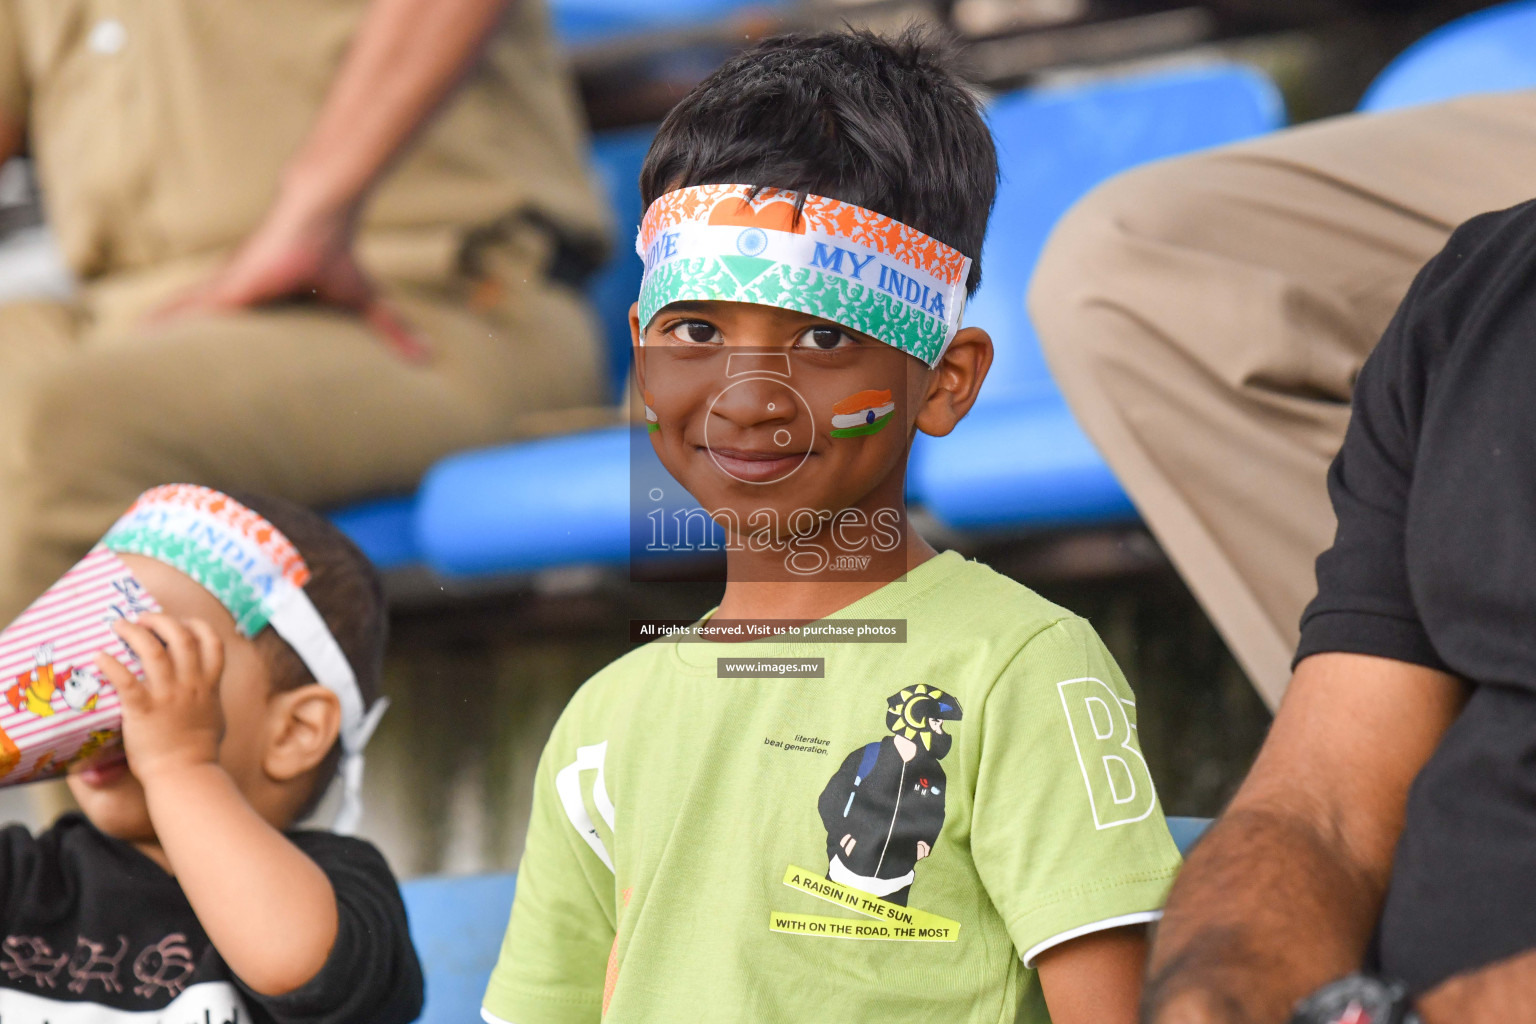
(1356,999)
(1356,1013)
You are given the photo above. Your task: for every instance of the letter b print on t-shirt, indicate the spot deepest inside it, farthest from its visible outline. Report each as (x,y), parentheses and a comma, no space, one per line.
(1119,785)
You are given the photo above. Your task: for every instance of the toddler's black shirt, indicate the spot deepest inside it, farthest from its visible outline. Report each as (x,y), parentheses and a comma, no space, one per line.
(95,931)
(1434,563)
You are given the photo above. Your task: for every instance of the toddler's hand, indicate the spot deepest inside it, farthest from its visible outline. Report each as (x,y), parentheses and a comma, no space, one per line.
(171,718)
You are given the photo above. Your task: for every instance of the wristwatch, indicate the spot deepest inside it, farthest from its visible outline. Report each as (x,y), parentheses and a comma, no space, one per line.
(1357,999)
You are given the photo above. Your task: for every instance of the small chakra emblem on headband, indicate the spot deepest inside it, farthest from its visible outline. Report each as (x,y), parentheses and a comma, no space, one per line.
(751,242)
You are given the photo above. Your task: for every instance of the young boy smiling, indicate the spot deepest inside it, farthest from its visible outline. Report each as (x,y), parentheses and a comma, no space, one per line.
(958,827)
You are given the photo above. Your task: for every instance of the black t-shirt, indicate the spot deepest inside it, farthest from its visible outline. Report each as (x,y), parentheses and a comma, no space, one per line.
(94,930)
(1434,563)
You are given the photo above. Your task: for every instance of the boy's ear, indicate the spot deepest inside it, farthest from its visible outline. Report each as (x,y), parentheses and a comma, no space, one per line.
(956,381)
(634,341)
(305,722)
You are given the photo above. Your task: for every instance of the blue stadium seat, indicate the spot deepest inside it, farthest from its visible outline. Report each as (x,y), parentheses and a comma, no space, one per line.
(1019,460)
(528,506)
(598,497)
(579,22)
(1493,50)
(1186,831)
(384,529)
(457,925)
(616,157)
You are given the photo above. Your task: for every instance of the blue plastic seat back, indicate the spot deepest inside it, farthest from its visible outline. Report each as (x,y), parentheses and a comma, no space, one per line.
(385,530)
(1490,51)
(617,157)
(1020,460)
(592,21)
(1187,831)
(457,926)
(1055,145)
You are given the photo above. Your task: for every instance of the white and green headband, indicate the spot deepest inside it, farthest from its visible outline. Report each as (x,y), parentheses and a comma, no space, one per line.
(832,260)
(259,576)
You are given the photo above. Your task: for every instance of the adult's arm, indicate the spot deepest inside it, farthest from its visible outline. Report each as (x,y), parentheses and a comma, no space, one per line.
(405,60)
(407,56)
(1283,893)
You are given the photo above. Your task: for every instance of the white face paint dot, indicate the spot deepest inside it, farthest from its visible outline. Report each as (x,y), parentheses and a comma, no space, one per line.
(771,407)
(108,36)
(781,437)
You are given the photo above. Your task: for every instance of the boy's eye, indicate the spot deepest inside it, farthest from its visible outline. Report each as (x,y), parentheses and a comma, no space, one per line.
(824,338)
(696,332)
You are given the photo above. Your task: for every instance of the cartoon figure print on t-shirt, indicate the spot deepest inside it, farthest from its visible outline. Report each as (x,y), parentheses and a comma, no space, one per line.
(884,807)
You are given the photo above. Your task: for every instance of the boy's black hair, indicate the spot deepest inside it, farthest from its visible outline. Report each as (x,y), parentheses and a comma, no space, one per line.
(885,124)
(346,590)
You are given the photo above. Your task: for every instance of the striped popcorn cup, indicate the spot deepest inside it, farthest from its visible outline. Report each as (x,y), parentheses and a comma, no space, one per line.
(55,709)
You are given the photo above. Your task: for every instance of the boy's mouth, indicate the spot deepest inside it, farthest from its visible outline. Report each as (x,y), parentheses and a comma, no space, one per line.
(756,466)
(103,771)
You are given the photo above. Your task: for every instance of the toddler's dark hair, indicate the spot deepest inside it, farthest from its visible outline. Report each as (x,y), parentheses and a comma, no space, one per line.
(885,124)
(346,590)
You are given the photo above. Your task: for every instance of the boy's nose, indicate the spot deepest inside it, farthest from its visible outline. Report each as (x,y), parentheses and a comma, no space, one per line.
(757,400)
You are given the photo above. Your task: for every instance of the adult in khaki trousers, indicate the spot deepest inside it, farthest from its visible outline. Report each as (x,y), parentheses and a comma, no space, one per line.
(319,244)
(1206,317)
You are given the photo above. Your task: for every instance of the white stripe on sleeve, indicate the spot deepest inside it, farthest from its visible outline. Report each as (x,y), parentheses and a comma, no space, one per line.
(1144,917)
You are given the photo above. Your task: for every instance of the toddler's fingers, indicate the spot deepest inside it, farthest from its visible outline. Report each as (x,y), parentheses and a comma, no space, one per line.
(151,652)
(178,640)
(115,672)
(210,649)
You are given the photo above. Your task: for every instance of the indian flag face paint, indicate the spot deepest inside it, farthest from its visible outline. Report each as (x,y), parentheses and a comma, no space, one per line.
(833,260)
(866,412)
(651,424)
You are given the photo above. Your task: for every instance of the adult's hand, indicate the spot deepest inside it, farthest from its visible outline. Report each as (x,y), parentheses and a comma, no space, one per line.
(1282,895)
(299,252)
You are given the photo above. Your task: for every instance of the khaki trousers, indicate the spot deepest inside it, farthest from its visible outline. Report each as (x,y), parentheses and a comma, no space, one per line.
(301,402)
(1206,317)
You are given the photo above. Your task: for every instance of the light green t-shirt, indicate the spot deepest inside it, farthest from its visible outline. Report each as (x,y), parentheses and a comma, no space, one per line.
(895,841)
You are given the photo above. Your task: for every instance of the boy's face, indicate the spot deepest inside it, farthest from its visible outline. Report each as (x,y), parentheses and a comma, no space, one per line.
(105,789)
(769,412)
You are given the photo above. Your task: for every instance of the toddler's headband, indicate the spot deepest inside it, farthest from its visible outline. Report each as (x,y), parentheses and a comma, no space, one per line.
(836,261)
(258,575)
